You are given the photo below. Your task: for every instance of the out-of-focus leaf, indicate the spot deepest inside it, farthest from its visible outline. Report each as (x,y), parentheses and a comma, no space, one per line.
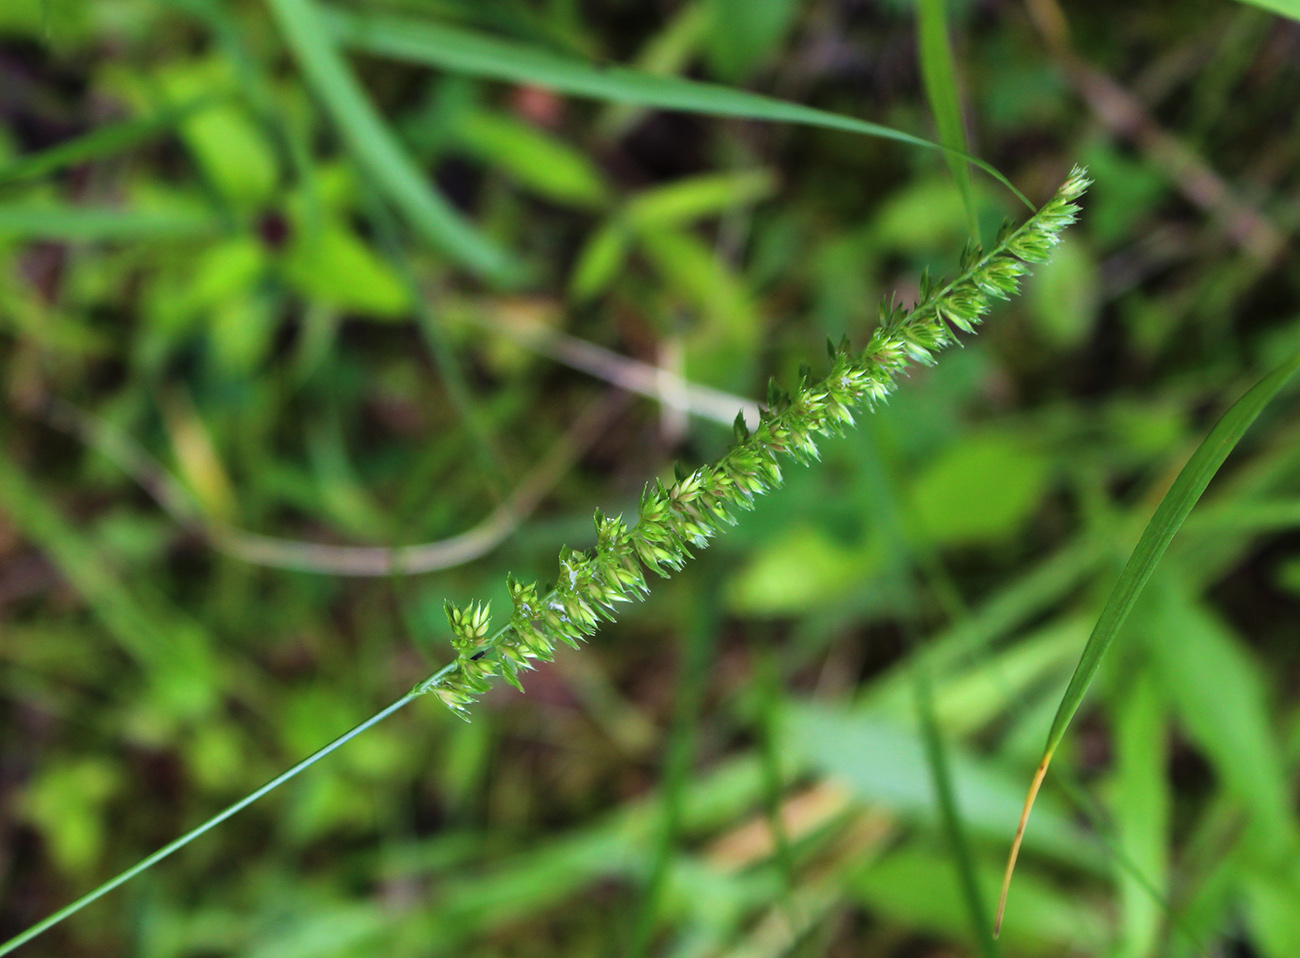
(1140,804)
(797,571)
(1220,698)
(922,217)
(1064,294)
(694,198)
(981,490)
(66,802)
(883,762)
(242,331)
(223,139)
(536,160)
(80,223)
(34,20)
(332,930)
(196,455)
(1126,190)
(378,150)
(599,260)
(745,33)
(1288,572)
(1271,898)
(720,343)
(915,887)
(98,144)
(225,270)
(1283,8)
(332,266)
(172,649)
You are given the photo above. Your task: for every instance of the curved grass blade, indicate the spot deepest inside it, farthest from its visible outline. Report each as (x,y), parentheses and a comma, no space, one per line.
(470,52)
(939,76)
(104,141)
(377,149)
(950,814)
(1283,8)
(1168,517)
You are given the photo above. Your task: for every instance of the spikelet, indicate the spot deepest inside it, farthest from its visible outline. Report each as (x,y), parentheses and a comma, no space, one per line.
(672,520)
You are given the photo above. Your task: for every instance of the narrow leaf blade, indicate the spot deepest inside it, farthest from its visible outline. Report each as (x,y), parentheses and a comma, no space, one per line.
(475,54)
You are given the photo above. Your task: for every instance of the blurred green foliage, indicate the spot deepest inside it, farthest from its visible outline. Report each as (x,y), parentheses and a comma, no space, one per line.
(266,270)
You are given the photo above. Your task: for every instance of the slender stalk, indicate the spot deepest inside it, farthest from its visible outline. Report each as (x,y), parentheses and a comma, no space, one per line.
(1034,786)
(950,813)
(211,823)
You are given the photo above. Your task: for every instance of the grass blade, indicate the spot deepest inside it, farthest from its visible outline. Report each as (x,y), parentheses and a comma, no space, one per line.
(470,52)
(1283,8)
(97,144)
(939,75)
(376,147)
(64,223)
(1169,515)
(950,816)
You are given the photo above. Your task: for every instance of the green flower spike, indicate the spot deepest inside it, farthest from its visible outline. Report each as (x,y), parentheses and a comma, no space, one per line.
(672,520)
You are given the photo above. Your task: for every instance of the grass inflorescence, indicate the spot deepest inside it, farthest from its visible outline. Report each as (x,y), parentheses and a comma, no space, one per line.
(673,519)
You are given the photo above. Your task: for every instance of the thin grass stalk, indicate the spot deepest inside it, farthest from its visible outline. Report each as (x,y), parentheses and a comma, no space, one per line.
(676,518)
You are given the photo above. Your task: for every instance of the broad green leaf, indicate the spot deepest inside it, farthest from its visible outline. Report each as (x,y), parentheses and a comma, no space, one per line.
(1064,294)
(684,201)
(222,137)
(797,571)
(332,265)
(329,930)
(1141,805)
(66,802)
(939,74)
(466,51)
(676,204)
(915,887)
(882,761)
(1271,898)
(1128,190)
(536,160)
(981,490)
(377,149)
(745,33)
(242,331)
(923,216)
(226,270)
(599,260)
(723,335)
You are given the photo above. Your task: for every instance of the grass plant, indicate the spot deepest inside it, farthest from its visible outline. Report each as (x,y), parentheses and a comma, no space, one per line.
(318,316)
(674,519)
